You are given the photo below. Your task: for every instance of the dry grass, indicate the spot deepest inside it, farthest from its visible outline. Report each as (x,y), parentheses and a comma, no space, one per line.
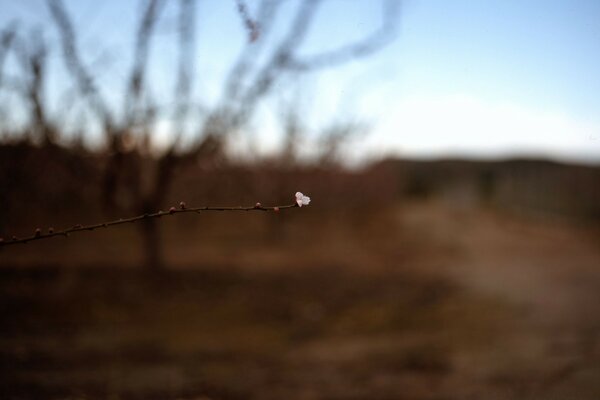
(425,301)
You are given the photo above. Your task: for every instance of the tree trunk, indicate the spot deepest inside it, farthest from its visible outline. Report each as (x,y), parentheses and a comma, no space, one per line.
(153,253)
(152,246)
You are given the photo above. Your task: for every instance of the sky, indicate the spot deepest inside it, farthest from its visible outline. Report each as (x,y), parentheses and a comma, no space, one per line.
(484,79)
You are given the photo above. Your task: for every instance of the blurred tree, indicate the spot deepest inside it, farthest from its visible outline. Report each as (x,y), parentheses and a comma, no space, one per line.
(136,179)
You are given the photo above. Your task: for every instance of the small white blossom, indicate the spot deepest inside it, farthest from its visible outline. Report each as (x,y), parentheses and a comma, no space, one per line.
(301,199)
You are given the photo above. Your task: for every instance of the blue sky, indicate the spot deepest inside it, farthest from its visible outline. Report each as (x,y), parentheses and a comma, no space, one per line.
(463,78)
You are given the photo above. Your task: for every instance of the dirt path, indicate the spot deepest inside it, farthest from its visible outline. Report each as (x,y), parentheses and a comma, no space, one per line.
(550,273)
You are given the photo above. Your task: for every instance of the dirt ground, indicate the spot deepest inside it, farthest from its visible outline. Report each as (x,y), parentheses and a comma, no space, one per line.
(421,301)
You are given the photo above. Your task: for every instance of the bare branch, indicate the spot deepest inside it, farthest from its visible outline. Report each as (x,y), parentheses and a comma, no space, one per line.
(236,111)
(6,40)
(32,55)
(142,46)
(361,48)
(83,78)
(250,25)
(38,235)
(283,52)
(246,60)
(241,99)
(186,66)
(284,59)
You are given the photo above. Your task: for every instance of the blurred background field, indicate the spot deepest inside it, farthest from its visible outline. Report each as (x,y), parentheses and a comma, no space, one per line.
(413,273)
(438,284)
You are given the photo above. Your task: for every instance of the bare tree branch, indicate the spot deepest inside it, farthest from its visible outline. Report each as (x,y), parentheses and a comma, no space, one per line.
(6,40)
(242,93)
(284,59)
(84,79)
(249,55)
(186,65)
(282,55)
(362,48)
(38,235)
(142,45)
(32,56)
(235,111)
(251,26)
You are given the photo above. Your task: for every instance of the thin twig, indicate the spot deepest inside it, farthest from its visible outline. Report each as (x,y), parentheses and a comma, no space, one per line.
(38,235)
(250,25)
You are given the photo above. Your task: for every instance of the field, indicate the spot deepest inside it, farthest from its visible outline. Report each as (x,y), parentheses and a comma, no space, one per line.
(422,300)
